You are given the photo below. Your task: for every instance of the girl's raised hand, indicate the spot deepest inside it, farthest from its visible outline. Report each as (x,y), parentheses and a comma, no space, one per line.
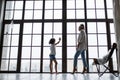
(59,39)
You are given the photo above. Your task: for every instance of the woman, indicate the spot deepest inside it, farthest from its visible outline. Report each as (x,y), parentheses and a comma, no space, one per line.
(81,47)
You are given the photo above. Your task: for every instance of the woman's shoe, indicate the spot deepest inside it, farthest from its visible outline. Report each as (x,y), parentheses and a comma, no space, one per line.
(74,70)
(85,70)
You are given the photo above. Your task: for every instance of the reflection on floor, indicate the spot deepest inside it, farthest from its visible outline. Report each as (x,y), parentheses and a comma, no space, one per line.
(61,76)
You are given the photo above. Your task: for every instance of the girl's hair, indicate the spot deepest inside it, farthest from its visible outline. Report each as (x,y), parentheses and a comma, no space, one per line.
(81,24)
(52,41)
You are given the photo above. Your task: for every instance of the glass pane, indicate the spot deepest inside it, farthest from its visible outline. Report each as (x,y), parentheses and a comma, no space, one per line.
(6,30)
(48,14)
(70,14)
(5,52)
(109,3)
(99,3)
(37,27)
(29,5)
(110,13)
(16,28)
(112,28)
(102,39)
(28,14)
(48,28)
(7,40)
(58,52)
(46,39)
(92,39)
(37,14)
(58,28)
(38,4)
(4,65)
(49,4)
(36,40)
(90,3)
(9,4)
(26,52)
(13,65)
(71,40)
(91,27)
(93,52)
(57,4)
(26,40)
(19,5)
(80,14)
(15,40)
(14,52)
(25,67)
(101,27)
(113,38)
(90,14)
(18,14)
(70,4)
(46,52)
(35,65)
(102,51)
(36,52)
(71,52)
(79,3)
(8,14)
(57,14)
(27,29)
(100,14)
(71,28)
(70,65)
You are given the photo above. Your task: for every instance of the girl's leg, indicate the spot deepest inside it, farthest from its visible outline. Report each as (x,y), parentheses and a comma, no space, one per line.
(51,66)
(55,65)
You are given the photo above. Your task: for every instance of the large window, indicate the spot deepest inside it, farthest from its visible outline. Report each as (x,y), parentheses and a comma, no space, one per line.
(31,47)
(10,47)
(30,24)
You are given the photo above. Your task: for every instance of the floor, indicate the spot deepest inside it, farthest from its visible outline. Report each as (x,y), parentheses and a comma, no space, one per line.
(61,76)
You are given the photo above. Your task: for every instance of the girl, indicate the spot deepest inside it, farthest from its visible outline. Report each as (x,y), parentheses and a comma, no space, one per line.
(52,54)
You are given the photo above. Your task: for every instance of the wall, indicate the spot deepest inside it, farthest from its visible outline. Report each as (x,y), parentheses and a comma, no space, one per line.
(116,11)
(1,15)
